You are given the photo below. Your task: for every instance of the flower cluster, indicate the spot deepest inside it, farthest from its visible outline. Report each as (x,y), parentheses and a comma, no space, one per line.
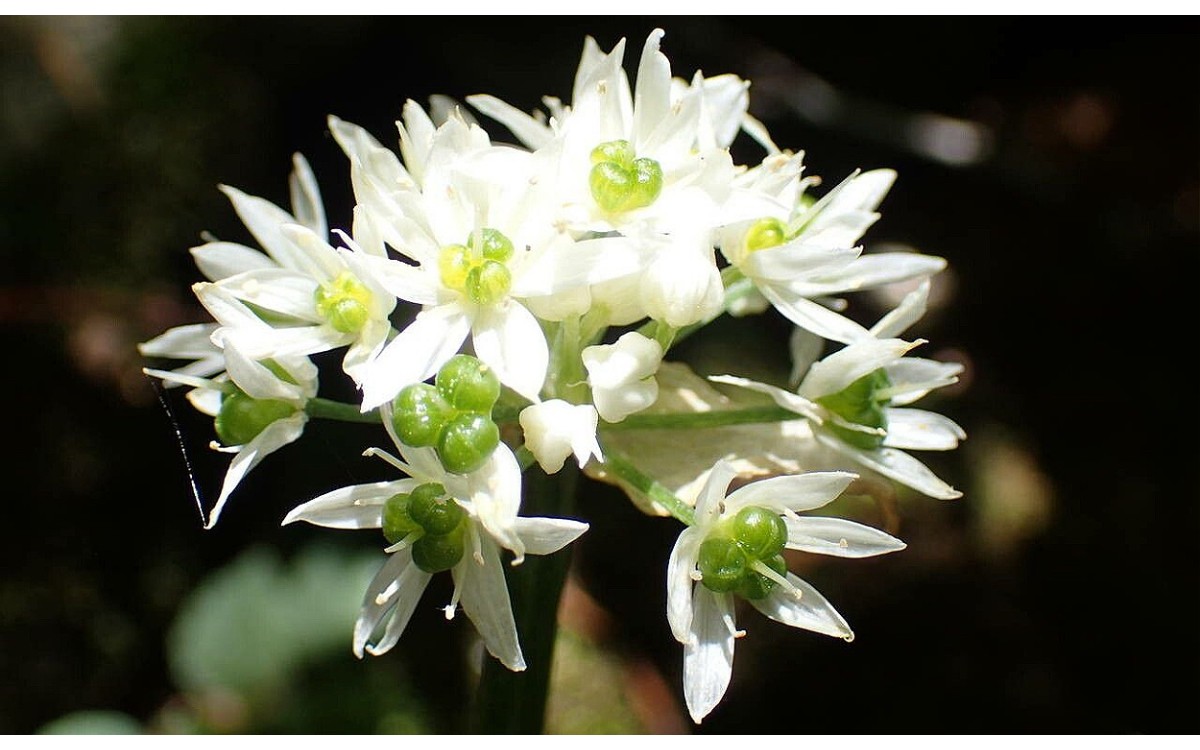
(501,306)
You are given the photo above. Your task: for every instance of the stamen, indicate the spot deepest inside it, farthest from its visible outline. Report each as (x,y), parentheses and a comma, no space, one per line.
(388,457)
(452,607)
(730,625)
(476,544)
(763,569)
(405,542)
(383,596)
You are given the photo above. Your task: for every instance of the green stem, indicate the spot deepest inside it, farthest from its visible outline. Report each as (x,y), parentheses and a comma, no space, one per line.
(702,419)
(323,408)
(515,702)
(621,467)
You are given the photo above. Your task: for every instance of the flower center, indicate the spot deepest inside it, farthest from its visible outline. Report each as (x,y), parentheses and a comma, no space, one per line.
(765,233)
(728,556)
(241,418)
(620,181)
(435,520)
(478,268)
(860,403)
(344,302)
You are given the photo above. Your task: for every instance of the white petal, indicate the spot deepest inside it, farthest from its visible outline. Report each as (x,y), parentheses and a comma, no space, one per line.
(913,377)
(897,465)
(798,493)
(400,583)
(544,536)
(257,380)
(785,399)
(485,600)
(495,493)
(263,342)
(306,197)
(915,429)
(813,316)
(909,311)
(847,365)
(711,495)
(359,506)
(508,338)
(869,271)
(810,612)
(652,94)
(839,537)
(366,348)
(679,583)
(561,267)
(555,429)
(806,348)
(219,260)
(416,354)
(708,659)
(182,342)
(409,283)
(528,131)
(276,435)
(264,220)
(796,261)
(276,289)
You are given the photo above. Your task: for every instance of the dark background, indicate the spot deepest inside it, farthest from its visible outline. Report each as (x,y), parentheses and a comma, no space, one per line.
(1059,595)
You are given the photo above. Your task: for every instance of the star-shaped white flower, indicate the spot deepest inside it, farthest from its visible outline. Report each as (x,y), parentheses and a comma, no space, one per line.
(262,400)
(899,380)
(490,498)
(481,254)
(703,620)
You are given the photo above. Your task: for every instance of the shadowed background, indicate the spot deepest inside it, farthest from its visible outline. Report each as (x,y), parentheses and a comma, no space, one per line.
(1056,171)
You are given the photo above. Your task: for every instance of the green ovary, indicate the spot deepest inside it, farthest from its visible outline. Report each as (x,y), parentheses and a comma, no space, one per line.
(241,418)
(858,403)
(478,269)
(621,182)
(765,233)
(344,303)
(727,557)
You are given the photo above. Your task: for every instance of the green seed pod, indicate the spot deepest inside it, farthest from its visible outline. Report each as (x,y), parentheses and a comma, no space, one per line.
(761,532)
(431,509)
(488,282)
(618,152)
(755,585)
(611,186)
(467,442)
(419,414)
(434,553)
(765,233)
(495,246)
(397,523)
(454,263)
(648,181)
(241,418)
(468,384)
(722,564)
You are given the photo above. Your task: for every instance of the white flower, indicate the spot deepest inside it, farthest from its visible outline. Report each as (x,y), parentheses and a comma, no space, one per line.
(621,375)
(490,498)
(476,231)
(555,429)
(875,380)
(261,401)
(802,252)
(703,620)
